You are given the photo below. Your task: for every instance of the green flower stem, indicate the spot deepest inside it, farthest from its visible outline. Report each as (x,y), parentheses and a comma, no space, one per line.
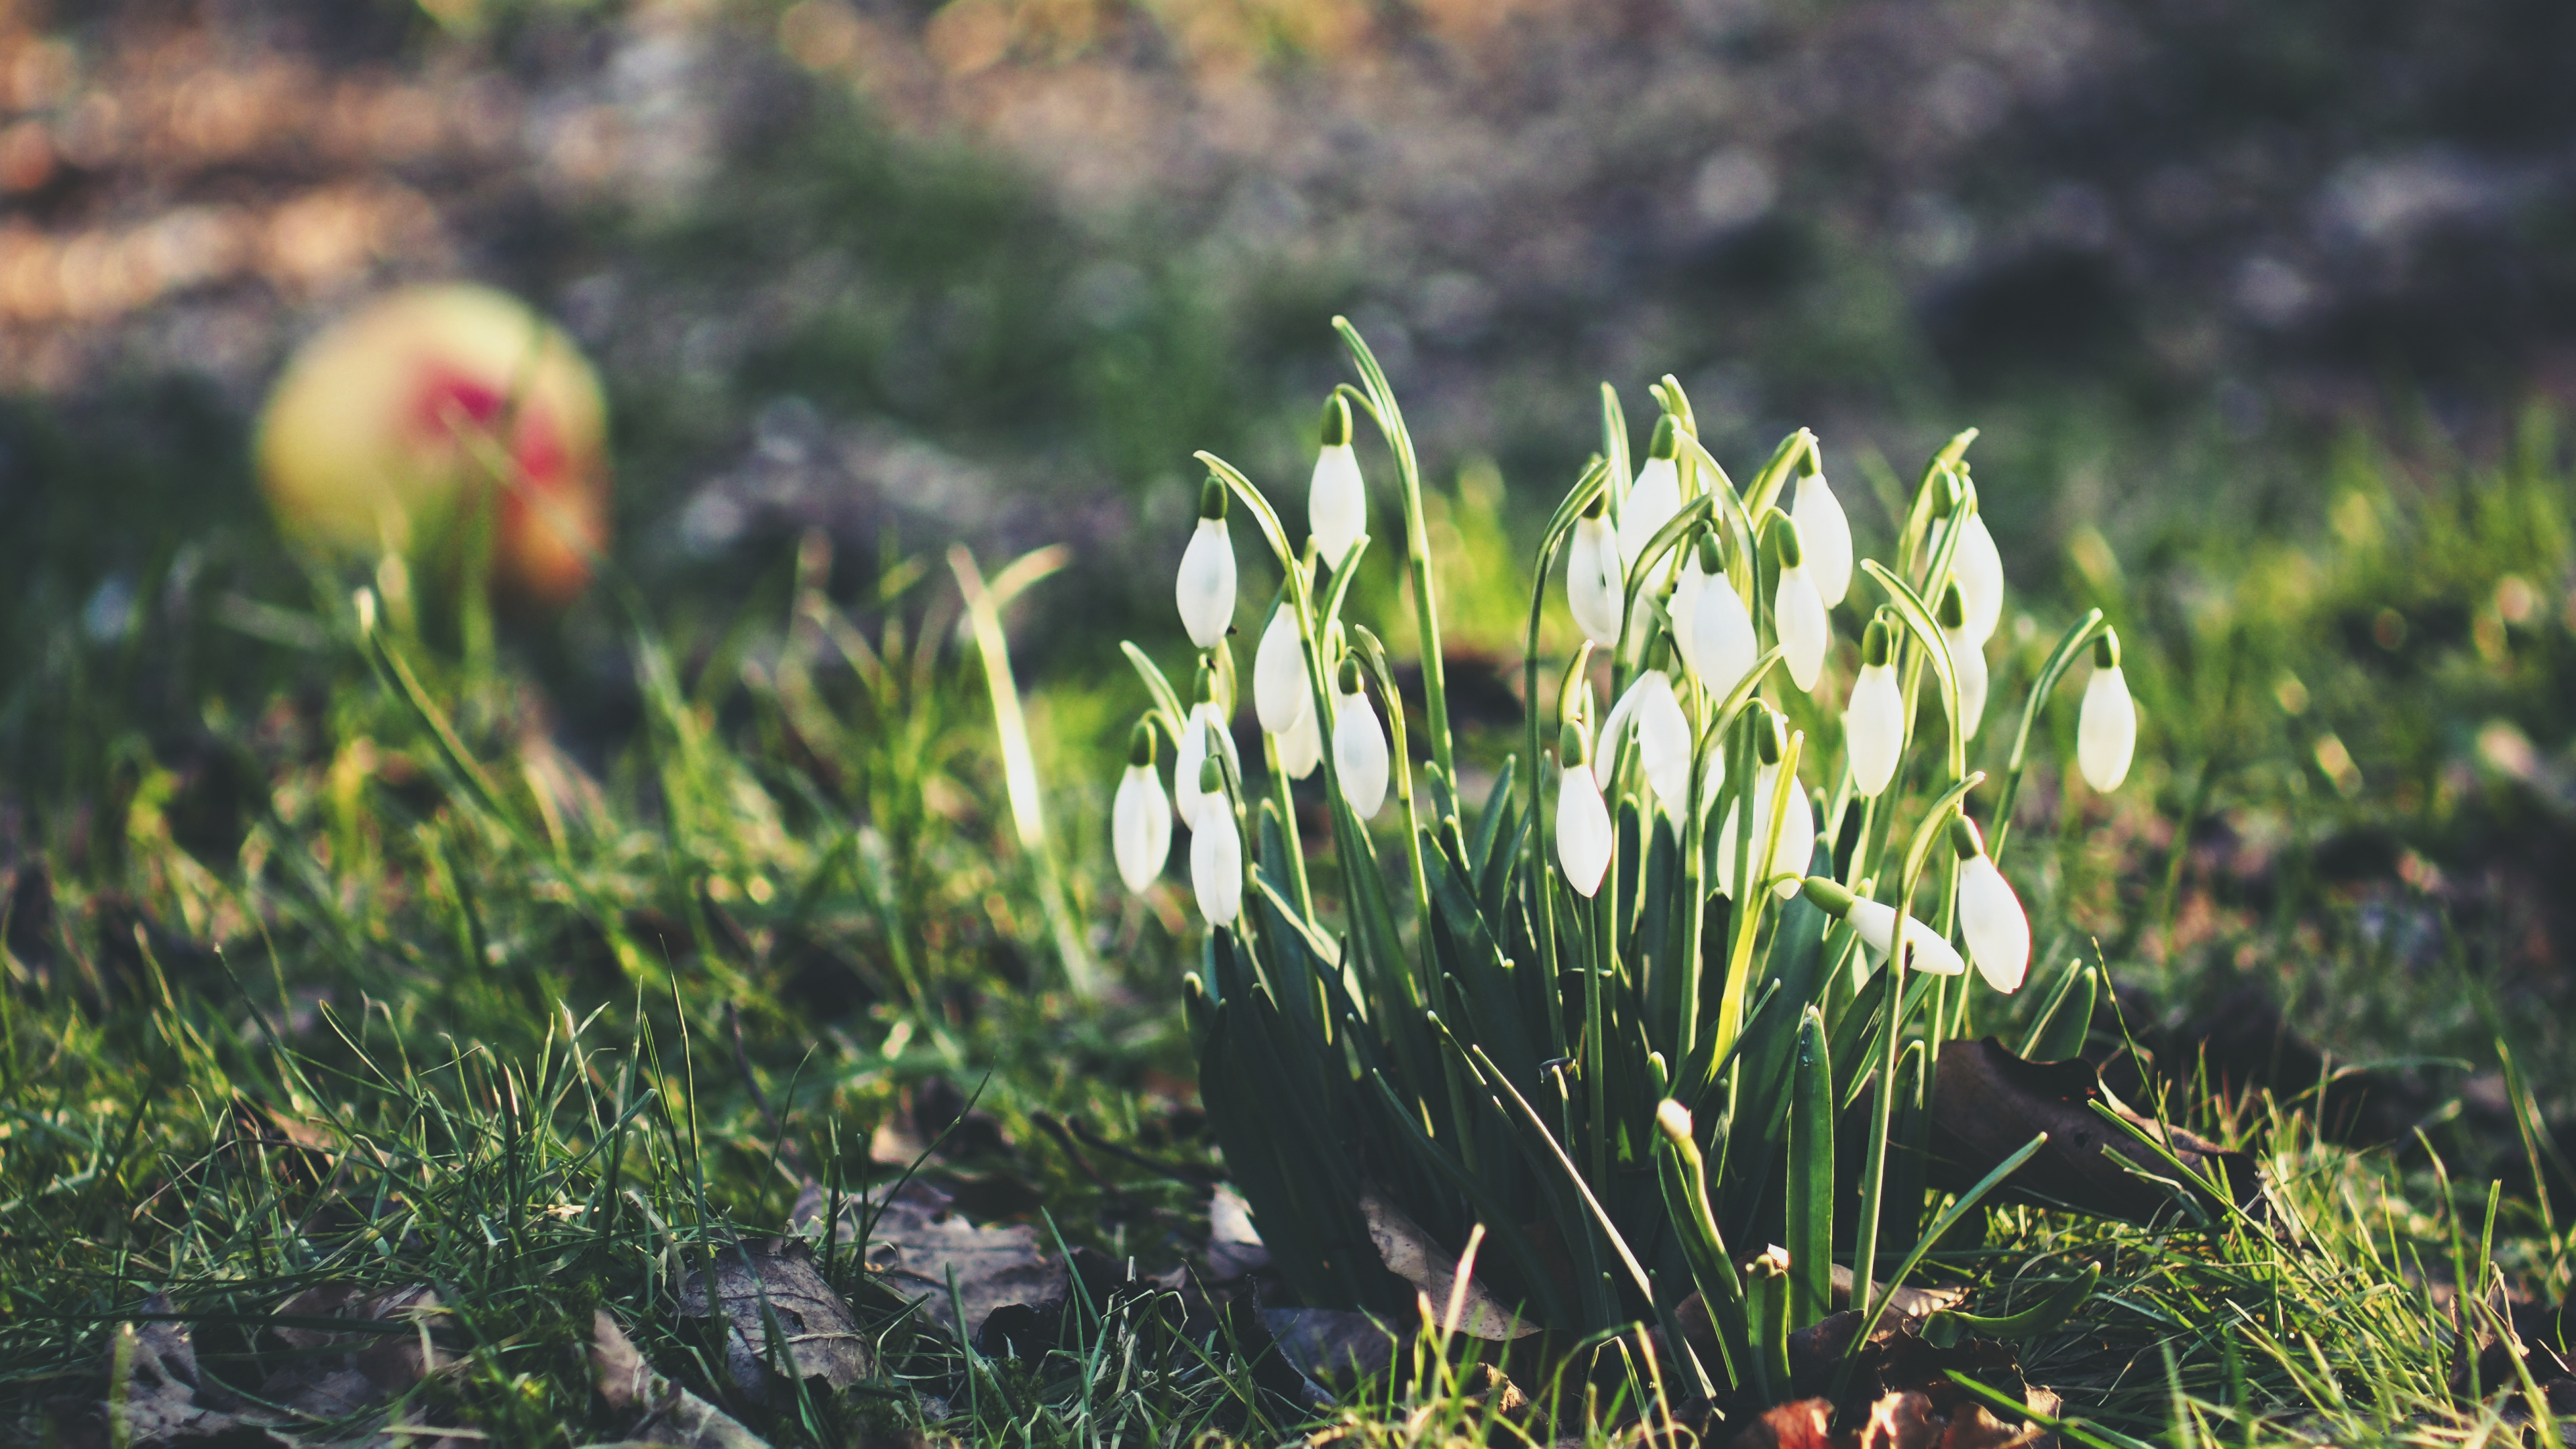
(1417,542)
(2060,660)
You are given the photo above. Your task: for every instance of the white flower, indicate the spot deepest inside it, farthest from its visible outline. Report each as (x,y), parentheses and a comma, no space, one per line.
(1683,606)
(1301,749)
(1991,920)
(1337,501)
(1584,837)
(1979,568)
(1205,588)
(1594,580)
(1140,819)
(1875,923)
(1874,717)
(1827,535)
(1804,631)
(1216,866)
(1797,844)
(1281,694)
(1204,720)
(1723,647)
(1969,659)
(1653,499)
(1663,739)
(2106,733)
(1359,747)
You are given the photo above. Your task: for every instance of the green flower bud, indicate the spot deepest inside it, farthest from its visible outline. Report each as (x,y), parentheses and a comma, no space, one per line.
(1664,444)
(1674,1120)
(2106,650)
(1140,745)
(1770,737)
(1337,421)
(1206,680)
(1784,541)
(1712,561)
(1829,895)
(1350,675)
(1875,644)
(1212,499)
(1572,751)
(1599,505)
(1953,612)
(1965,839)
(1211,776)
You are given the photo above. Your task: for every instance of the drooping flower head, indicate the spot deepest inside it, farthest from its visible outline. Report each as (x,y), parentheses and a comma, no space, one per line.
(1281,694)
(1584,837)
(1874,717)
(1796,609)
(1825,531)
(1663,732)
(1875,923)
(1205,588)
(1595,579)
(1359,745)
(1207,721)
(1979,568)
(1216,854)
(2106,733)
(1991,920)
(1722,647)
(1967,656)
(1337,500)
(1655,497)
(1778,804)
(1140,819)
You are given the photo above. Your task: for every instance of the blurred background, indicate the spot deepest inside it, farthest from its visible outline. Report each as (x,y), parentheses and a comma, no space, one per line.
(880,275)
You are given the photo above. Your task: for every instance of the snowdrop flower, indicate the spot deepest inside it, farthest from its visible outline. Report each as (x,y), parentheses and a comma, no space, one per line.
(1663,734)
(1979,569)
(1140,820)
(1207,721)
(1359,746)
(1874,717)
(1301,749)
(1682,605)
(1336,502)
(1216,854)
(1797,611)
(1722,647)
(1654,498)
(1827,534)
(1967,656)
(2106,733)
(1990,915)
(1875,923)
(1280,693)
(1583,833)
(1205,589)
(1594,578)
(1796,817)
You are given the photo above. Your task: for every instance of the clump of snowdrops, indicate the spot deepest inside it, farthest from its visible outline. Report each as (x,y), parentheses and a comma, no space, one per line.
(1617,1016)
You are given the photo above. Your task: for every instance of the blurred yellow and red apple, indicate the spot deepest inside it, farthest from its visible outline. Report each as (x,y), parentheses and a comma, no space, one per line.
(397,426)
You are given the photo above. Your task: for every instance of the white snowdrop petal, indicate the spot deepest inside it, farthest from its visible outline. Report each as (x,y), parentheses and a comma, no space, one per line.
(1140,827)
(1804,631)
(1663,740)
(2106,733)
(1652,501)
(1280,691)
(1797,843)
(1337,502)
(1614,730)
(1301,749)
(1797,846)
(1359,754)
(1875,923)
(1874,729)
(1969,658)
(1205,588)
(1594,580)
(1723,647)
(1186,794)
(1826,533)
(1583,834)
(1991,919)
(1684,604)
(1216,871)
(1979,568)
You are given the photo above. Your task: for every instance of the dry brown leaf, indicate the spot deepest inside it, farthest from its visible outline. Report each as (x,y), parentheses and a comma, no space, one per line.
(918,1240)
(1412,1255)
(1992,1102)
(1334,1347)
(773,1282)
(1800,1424)
(153,1397)
(672,1415)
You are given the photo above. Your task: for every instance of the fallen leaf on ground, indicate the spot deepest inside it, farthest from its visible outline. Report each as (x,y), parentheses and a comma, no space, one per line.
(1992,1102)
(154,1396)
(1335,1347)
(1412,1255)
(672,1415)
(373,1366)
(1234,1244)
(772,1283)
(918,1239)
